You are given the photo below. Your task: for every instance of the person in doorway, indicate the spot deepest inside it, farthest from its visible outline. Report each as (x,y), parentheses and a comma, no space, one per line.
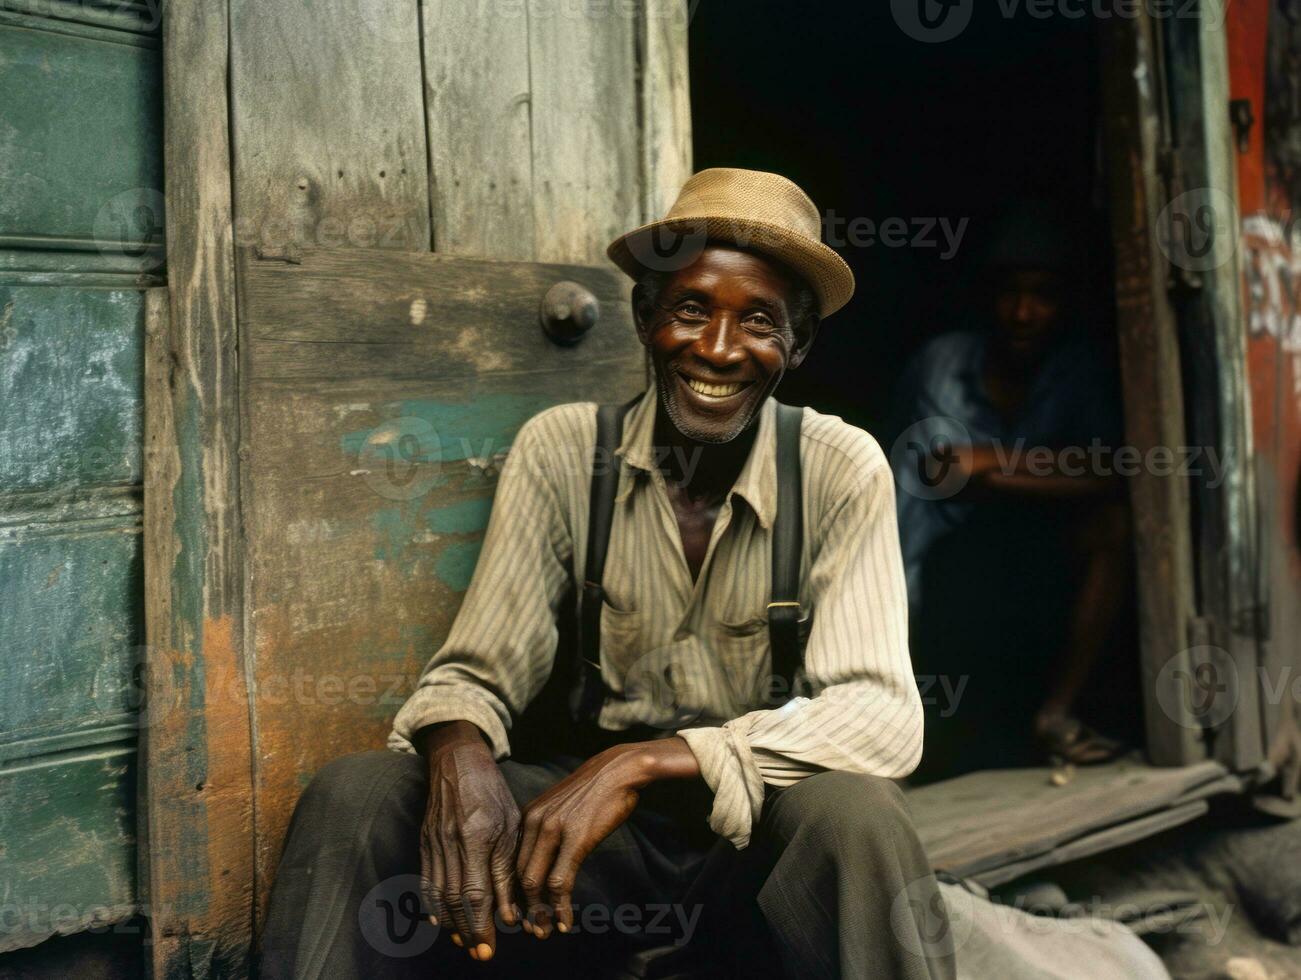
(1014,528)
(697,811)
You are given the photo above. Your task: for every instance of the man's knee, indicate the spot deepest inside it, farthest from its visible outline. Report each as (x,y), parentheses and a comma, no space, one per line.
(839,808)
(360,785)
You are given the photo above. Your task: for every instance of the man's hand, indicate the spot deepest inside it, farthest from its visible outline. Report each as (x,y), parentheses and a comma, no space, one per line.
(468,841)
(565,824)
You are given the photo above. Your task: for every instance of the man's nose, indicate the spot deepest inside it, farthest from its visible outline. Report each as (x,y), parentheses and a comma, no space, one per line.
(1024,310)
(719,342)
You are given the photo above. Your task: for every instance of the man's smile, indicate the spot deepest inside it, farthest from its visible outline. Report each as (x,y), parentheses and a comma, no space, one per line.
(710,391)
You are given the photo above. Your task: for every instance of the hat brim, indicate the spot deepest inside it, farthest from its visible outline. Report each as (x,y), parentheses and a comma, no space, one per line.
(674,243)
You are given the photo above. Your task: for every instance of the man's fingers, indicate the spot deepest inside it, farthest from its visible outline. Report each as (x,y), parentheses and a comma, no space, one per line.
(433,881)
(533,875)
(503,882)
(529,831)
(459,922)
(560,886)
(477,898)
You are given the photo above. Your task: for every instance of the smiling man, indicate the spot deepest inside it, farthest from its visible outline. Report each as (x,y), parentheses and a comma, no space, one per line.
(681,806)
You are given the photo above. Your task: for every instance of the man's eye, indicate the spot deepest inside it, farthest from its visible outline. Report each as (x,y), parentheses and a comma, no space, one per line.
(760,321)
(693,311)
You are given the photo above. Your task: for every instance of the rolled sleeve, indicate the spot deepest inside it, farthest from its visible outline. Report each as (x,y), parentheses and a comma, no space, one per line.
(440,702)
(728,768)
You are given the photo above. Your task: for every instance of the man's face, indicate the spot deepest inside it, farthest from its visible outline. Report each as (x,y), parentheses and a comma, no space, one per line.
(1027,308)
(720,337)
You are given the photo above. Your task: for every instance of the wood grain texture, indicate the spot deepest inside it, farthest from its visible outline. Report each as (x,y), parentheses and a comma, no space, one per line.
(586,142)
(1214,354)
(1152,388)
(477,95)
(196,740)
(370,476)
(984,823)
(666,104)
(553,127)
(329,123)
(337,314)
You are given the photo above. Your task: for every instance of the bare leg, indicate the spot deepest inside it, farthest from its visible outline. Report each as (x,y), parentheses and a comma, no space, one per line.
(1103,543)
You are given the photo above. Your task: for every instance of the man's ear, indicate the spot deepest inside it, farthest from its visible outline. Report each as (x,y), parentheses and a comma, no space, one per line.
(642,311)
(805,333)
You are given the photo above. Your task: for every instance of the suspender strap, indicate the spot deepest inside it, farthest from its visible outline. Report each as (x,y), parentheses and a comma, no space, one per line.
(589,690)
(784,610)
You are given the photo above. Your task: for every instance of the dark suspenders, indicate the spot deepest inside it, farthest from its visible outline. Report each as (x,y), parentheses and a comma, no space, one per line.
(784,611)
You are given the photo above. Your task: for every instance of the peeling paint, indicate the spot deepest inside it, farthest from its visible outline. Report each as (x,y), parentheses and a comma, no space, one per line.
(466,517)
(455,566)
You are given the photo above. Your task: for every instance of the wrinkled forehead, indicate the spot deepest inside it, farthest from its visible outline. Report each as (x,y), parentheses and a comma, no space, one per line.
(728,269)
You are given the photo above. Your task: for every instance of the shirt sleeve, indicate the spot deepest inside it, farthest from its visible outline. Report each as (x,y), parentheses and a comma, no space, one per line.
(866,714)
(499,652)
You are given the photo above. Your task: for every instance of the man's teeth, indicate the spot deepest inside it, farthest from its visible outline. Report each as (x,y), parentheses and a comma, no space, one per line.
(715,391)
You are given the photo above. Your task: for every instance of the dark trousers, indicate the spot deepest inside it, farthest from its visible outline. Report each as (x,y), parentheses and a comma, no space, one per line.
(834,883)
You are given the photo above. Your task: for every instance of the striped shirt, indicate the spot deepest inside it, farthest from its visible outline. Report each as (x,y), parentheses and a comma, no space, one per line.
(693,656)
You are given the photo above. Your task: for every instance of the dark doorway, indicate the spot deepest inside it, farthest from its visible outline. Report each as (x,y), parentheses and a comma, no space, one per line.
(876,125)
(941,140)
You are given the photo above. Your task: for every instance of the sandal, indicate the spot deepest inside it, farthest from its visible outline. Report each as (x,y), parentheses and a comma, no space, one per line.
(1070,740)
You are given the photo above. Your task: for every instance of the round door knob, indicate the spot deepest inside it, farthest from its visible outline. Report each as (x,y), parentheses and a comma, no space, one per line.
(567,312)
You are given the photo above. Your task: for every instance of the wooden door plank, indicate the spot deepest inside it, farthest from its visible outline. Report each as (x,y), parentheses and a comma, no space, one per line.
(586,158)
(1152,387)
(195,740)
(329,123)
(988,820)
(666,104)
(1108,839)
(383,391)
(480,154)
(360,313)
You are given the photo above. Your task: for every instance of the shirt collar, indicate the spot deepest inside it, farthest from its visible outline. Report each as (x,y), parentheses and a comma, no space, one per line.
(757,481)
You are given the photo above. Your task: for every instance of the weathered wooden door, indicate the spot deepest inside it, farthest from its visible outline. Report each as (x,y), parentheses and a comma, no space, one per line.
(350,344)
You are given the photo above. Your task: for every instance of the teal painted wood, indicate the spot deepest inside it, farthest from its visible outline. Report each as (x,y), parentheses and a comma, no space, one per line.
(71,610)
(80,143)
(81,219)
(71,382)
(67,823)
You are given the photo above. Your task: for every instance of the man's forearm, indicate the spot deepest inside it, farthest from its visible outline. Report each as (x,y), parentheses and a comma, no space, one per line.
(1026,475)
(661,758)
(1051,485)
(445,734)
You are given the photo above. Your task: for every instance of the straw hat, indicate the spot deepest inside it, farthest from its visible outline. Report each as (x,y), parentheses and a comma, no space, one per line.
(749,208)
